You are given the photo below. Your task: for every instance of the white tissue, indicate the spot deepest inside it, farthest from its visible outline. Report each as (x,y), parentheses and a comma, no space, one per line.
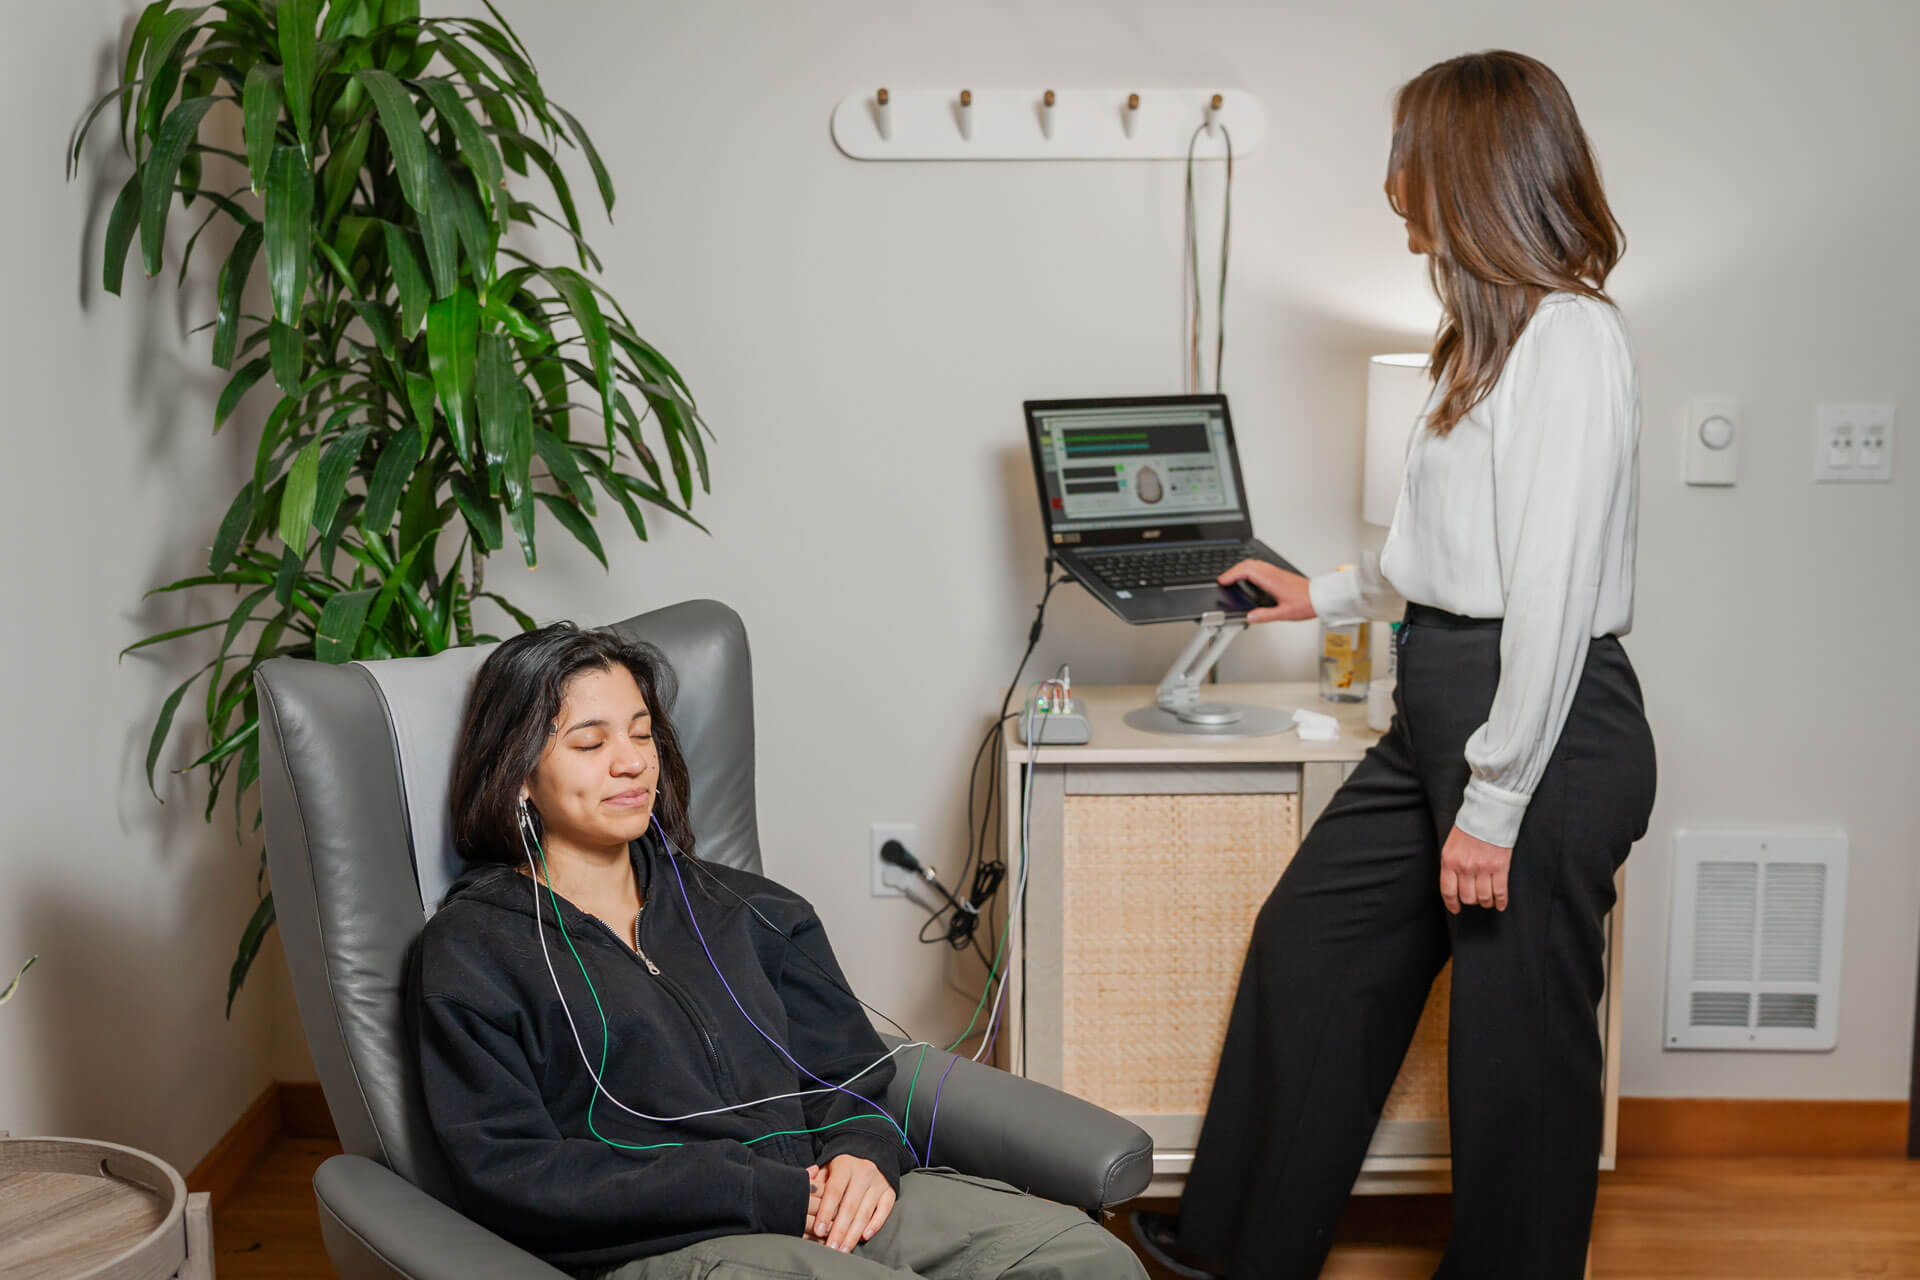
(1315,726)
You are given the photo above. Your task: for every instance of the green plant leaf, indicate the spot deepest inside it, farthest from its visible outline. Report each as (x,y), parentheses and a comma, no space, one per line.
(229,744)
(499,313)
(344,166)
(420,402)
(174,634)
(297,56)
(340,624)
(421,515)
(120,227)
(559,459)
(575,523)
(413,161)
(161,67)
(242,614)
(396,581)
(232,527)
(287,577)
(440,231)
(289,224)
(379,322)
(611,483)
(284,344)
(232,287)
(164,723)
(15,984)
(336,464)
(296,503)
(407,279)
(238,385)
(76,142)
(519,463)
(521,516)
(250,939)
(163,165)
(130,73)
(593,157)
(579,298)
(495,381)
(390,476)
(453,331)
(261,111)
(482,157)
(481,511)
(519,615)
(453,192)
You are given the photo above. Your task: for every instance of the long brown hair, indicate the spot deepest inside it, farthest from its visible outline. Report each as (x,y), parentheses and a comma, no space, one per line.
(1502,185)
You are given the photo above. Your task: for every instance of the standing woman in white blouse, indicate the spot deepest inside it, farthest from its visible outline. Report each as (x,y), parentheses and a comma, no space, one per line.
(1486,826)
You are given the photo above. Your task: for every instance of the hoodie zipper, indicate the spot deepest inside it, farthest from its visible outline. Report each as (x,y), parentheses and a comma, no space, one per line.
(652,968)
(673,989)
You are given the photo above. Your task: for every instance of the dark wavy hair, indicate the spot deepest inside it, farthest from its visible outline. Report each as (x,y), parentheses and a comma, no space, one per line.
(512,712)
(1502,184)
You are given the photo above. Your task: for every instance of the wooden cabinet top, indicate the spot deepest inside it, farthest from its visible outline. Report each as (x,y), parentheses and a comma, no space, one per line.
(1116,742)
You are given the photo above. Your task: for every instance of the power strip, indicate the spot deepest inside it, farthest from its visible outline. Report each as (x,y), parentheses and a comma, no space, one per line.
(1055,727)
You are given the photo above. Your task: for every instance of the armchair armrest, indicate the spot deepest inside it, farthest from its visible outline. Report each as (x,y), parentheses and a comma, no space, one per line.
(995,1125)
(379,1226)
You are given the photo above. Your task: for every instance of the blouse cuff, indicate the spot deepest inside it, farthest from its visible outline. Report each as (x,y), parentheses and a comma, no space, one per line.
(1489,813)
(1336,596)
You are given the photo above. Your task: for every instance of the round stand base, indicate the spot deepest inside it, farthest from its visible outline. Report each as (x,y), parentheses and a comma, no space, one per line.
(1251,721)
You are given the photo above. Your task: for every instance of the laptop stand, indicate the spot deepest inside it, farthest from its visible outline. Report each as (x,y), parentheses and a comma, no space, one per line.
(1178,706)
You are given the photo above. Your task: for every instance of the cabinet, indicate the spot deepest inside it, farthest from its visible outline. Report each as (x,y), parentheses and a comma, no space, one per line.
(1150,855)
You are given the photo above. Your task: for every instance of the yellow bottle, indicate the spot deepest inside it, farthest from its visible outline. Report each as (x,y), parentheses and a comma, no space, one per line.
(1346,659)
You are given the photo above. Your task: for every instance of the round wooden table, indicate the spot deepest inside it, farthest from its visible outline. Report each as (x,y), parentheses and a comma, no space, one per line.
(77,1209)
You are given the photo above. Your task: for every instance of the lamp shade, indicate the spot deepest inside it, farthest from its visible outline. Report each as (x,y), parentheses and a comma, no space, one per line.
(1397,388)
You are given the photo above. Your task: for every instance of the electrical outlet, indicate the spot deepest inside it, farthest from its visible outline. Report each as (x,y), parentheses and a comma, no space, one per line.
(1853,443)
(1873,448)
(890,881)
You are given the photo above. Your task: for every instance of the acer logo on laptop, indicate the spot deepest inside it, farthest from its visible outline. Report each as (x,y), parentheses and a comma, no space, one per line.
(1150,533)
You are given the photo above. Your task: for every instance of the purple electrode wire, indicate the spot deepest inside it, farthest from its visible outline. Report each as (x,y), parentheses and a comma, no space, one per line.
(993,1034)
(673,860)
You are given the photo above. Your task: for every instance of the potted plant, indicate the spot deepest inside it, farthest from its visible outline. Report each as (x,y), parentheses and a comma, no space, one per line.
(434,390)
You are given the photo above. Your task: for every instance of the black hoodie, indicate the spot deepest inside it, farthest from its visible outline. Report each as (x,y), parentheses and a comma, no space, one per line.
(507,1089)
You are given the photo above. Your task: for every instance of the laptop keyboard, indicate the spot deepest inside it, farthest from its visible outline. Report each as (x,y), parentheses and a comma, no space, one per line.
(1164,566)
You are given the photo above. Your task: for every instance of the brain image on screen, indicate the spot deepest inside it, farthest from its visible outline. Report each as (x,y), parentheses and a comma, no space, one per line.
(1148,485)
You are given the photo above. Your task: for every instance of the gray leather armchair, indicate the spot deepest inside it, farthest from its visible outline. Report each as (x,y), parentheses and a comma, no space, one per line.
(355,761)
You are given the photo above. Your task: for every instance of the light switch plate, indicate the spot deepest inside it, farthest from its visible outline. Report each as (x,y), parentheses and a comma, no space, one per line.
(1853,443)
(1712,443)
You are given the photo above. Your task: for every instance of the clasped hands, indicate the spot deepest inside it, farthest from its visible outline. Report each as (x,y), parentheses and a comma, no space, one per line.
(847,1202)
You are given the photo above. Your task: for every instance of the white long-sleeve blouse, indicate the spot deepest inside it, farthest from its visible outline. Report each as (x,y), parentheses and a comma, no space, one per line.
(1525,511)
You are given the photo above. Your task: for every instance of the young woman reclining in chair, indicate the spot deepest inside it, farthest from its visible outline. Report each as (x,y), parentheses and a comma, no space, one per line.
(733,1131)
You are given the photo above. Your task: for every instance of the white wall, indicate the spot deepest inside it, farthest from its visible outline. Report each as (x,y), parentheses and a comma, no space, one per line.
(861,335)
(114,484)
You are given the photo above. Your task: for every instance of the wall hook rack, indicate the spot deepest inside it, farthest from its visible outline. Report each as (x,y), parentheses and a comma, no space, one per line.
(1046,124)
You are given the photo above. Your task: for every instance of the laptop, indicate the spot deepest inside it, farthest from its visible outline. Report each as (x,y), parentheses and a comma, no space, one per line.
(1143,503)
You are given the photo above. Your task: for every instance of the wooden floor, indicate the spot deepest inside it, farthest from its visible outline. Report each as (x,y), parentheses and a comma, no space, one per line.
(1795,1219)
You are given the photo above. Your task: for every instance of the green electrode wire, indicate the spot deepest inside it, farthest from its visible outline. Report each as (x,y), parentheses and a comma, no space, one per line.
(993,971)
(606,1039)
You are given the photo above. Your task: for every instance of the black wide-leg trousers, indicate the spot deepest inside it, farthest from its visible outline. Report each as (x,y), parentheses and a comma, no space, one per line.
(1347,947)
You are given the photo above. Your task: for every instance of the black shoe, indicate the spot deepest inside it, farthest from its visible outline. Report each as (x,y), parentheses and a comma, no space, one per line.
(1159,1234)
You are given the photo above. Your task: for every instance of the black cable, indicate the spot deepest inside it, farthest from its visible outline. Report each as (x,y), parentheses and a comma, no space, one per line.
(988,873)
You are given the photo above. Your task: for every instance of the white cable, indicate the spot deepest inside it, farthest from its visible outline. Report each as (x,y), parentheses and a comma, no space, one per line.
(1020,888)
(540,930)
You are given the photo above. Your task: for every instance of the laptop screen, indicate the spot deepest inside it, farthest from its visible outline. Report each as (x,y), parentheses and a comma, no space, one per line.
(1124,471)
